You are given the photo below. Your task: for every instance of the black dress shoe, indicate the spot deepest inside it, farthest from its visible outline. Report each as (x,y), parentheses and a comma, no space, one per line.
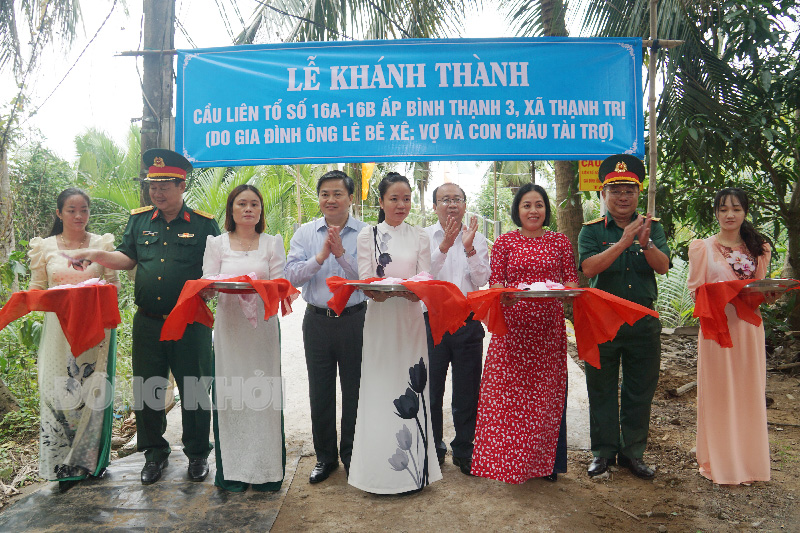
(637,467)
(198,469)
(322,471)
(600,465)
(152,471)
(464,463)
(65,485)
(552,478)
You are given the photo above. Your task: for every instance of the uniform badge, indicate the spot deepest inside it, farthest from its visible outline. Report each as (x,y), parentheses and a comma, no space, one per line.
(185,235)
(149,233)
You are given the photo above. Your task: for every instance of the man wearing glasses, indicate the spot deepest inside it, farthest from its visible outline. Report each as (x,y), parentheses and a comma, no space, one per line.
(319,249)
(621,253)
(459,254)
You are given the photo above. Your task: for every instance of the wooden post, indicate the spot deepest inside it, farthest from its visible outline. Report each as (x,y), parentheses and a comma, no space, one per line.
(157,124)
(651,191)
(297,190)
(494,165)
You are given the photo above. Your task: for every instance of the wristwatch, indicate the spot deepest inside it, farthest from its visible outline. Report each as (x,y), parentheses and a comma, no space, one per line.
(471,252)
(650,244)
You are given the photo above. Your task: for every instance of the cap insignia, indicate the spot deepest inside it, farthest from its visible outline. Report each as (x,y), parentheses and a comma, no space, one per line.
(159,162)
(621,167)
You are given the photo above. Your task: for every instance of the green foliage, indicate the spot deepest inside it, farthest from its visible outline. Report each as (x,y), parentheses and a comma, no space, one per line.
(775,325)
(484,205)
(675,304)
(109,173)
(37,177)
(211,187)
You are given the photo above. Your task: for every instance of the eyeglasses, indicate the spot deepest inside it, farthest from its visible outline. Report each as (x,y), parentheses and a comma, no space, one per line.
(627,193)
(381,259)
(453,201)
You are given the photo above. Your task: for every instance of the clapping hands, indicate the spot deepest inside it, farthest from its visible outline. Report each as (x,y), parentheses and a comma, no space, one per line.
(332,245)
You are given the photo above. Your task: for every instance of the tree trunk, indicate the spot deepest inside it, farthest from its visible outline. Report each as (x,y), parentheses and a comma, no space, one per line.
(354,171)
(157,124)
(421,174)
(792,269)
(7,241)
(570,208)
(8,402)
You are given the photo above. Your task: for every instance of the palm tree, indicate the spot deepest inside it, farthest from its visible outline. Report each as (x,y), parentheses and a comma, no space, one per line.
(25,30)
(110,174)
(209,189)
(331,20)
(730,107)
(548,18)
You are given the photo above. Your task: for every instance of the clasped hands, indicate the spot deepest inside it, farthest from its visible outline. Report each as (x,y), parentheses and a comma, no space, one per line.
(332,245)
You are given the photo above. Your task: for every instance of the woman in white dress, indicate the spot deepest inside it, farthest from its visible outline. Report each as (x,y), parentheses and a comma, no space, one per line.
(393,451)
(74,435)
(248,420)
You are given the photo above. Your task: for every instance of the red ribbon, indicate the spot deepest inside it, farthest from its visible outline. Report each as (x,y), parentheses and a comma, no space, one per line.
(192,308)
(710,302)
(448,310)
(598,316)
(83,312)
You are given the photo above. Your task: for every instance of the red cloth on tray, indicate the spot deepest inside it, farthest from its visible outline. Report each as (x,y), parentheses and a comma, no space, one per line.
(83,312)
(448,310)
(598,317)
(710,302)
(192,308)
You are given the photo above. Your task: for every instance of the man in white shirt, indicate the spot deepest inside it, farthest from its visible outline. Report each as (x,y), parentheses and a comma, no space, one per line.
(460,255)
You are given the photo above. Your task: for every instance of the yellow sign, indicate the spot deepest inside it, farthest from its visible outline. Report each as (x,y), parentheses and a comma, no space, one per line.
(366,174)
(588,179)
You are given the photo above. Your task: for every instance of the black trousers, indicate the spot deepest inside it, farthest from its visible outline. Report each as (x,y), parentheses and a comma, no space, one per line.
(464,351)
(622,426)
(192,365)
(331,343)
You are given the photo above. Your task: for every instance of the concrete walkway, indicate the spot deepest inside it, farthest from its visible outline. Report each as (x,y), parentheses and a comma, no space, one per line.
(118,502)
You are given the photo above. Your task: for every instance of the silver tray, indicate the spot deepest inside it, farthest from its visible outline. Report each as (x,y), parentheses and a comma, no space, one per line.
(232,286)
(379,288)
(770,285)
(558,293)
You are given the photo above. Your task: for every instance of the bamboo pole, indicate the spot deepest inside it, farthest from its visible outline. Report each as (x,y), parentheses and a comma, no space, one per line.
(494,165)
(651,191)
(297,190)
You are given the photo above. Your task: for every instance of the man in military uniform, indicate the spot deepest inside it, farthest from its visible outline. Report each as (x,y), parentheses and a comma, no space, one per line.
(166,241)
(621,253)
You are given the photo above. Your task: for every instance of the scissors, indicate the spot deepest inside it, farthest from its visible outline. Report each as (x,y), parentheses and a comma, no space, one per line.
(77,264)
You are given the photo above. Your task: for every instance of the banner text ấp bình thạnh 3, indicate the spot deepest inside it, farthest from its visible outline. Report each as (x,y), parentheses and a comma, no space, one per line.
(510,99)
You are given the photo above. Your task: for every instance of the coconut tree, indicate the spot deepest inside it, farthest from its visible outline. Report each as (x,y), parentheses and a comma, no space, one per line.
(548,18)
(27,27)
(729,112)
(331,20)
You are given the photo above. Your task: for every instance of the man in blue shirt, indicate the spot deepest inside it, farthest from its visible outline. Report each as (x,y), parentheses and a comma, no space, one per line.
(319,249)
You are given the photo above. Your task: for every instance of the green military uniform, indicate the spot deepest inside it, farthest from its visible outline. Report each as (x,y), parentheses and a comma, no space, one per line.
(622,427)
(168,254)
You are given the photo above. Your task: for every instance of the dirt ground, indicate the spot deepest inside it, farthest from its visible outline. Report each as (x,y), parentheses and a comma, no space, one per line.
(679,499)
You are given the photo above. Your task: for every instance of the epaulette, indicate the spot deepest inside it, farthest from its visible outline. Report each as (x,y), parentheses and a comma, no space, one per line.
(144,209)
(203,214)
(595,221)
